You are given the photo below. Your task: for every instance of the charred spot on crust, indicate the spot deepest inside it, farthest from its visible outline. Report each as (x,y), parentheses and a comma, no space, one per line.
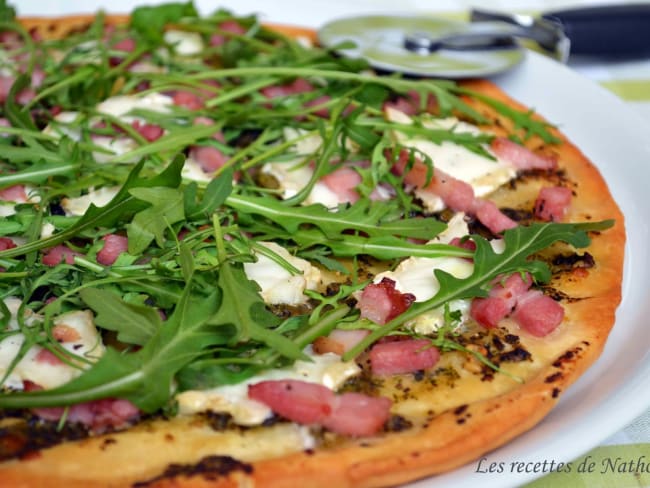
(568,262)
(107,442)
(553,377)
(397,423)
(210,467)
(218,421)
(20,438)
(476,227)
(363,383)
(558,295)
(511,338)
(556,392)
(517,355)
(566,357)
(518,214)
(460,410)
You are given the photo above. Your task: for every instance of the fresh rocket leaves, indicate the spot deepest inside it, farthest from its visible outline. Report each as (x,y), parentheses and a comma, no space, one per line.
(122,206)
(195,202)
(520,244)
(371,218)
(151,223)
(135,324)
(150,22)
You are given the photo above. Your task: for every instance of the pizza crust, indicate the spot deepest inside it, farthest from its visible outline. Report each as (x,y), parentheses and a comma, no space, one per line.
(457,436)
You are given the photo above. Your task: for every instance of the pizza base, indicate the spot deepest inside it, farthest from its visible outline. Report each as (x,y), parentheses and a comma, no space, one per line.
(465,431)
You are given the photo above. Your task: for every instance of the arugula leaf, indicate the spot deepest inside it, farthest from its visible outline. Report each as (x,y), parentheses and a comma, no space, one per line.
(144,377)
(121,207)
(7,12)
(213,197)
(363,216)
(520,243)
(135,324)
(245,311)
(149,224)
(150,22)
(522,120)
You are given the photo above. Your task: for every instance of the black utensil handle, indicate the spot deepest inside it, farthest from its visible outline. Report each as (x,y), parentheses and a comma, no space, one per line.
(612,30)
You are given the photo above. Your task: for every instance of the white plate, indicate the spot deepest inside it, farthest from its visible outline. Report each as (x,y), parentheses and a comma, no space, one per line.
(616,389)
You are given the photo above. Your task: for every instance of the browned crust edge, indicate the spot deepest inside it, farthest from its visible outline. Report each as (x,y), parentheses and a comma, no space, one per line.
(444,444)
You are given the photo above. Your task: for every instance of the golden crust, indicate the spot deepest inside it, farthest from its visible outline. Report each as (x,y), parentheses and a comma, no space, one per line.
(445,443)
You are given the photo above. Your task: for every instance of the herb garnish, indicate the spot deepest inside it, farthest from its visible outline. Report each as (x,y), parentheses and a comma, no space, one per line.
(178,301)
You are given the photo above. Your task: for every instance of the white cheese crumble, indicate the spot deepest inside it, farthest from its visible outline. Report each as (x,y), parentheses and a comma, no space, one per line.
(292,176)
(78,206)
(184,43)
(121,105)
(47,230)
(483,174)
(8,208)
(278,285)
(416,275)
(325,369)
(192,171)
(88,344)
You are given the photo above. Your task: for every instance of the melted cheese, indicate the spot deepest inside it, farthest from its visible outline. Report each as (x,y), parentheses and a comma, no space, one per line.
(325,369)
(79,205)
(120,106)
(184,43)
(192,171)
(293,175)
(44,374)
(278,285)
(416,275)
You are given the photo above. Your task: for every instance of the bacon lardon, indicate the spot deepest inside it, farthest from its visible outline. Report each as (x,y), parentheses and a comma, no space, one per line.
(14,193)
(230,26)
(114,245)
(151,132)
(209,158)
(501,301)
(356,414)
(307,403)
(519,156)
(535,312)
(299,401)
(381,302)
(6,243)
(57,254)
(552,203)
(97,415)
(456,194)
(402,356)
(339,341)
(343,182)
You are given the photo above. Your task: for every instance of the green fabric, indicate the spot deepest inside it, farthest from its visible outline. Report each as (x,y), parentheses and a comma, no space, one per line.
(604,467)
(630,90)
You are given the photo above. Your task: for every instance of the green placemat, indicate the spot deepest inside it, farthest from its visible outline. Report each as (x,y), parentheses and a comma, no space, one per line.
(616,466)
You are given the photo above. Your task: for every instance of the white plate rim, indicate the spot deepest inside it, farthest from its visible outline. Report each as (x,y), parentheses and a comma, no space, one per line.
(607,131)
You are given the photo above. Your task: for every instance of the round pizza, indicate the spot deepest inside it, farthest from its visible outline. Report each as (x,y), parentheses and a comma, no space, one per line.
(230,257)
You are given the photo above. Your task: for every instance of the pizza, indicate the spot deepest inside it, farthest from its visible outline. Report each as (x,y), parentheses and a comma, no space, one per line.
(232,258)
